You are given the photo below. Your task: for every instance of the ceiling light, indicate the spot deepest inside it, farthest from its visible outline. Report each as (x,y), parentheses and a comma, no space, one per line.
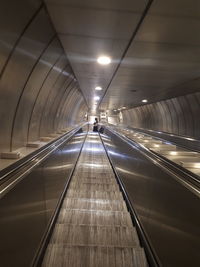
(104,60)
(98,88)
(144,100)
(96,98)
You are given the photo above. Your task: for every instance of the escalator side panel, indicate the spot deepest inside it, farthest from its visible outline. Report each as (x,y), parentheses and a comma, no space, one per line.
(25,211)
(168,211)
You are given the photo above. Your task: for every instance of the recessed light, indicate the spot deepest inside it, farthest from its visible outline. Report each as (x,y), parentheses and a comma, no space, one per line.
(98,88)
(96,98)
(104,60)
(144,100)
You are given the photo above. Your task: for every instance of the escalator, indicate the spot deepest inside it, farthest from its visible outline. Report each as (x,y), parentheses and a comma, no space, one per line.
(165,197)
(97,200)
(94,227)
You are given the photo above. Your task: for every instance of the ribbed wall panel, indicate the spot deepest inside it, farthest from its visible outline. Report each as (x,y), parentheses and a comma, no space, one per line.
(35,77)
(177,115)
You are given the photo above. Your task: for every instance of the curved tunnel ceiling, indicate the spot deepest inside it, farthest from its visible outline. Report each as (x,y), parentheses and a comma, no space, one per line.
(39,94)
(161,61)
(88,29)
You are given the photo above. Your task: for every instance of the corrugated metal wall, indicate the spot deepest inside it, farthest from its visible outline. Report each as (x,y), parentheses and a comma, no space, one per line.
(178,115)
(39,94)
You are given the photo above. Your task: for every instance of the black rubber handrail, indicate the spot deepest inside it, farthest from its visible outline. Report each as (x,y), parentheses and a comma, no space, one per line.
(10,176)
(39,256)
(152,258)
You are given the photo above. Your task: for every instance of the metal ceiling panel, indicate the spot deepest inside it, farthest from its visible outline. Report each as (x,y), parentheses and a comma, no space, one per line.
(163,60)
(88,29)
(120,5)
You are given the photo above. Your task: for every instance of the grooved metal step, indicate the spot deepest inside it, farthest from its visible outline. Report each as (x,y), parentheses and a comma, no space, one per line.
(94,194)
(94,204)
(93,235)
(93,256)
(95,217)
(94,228)
(93,180)
(94,187)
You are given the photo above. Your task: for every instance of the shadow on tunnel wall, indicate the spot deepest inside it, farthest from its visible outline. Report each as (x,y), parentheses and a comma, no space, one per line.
(178,115)
(39,94)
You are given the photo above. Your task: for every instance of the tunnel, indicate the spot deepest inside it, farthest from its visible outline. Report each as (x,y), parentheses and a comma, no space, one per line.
(99,133)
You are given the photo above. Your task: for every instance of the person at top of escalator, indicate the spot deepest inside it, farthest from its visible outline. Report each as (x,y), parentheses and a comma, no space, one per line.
(95,125)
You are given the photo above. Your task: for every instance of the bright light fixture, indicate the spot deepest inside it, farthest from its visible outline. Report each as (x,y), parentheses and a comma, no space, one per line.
(98,88)
(96,98)
(104,60)
(144,100)
(174,153)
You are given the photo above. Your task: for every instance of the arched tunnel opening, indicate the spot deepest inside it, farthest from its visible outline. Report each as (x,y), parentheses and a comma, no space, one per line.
(119,191)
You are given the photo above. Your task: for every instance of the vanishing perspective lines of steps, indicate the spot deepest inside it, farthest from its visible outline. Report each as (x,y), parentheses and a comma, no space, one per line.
(94,227)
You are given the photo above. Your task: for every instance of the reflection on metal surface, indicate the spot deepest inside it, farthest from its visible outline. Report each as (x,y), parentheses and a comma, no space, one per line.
(64,166)
(109,144)
(124,170)
(76,142)
(68,151)
(94,141)
(117,154)
(32,203)
(190,139)
(93,165)
(190,164)
(93,137)
(165,148)
(94,217)
(94,149)
(162,203)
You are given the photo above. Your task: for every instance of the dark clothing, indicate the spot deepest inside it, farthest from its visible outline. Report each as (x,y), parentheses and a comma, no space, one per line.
(101,130)
(95,127)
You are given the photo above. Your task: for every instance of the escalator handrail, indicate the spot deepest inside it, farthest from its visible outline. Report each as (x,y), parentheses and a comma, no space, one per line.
(149,251)
(185,177)
(152,134)
(10,176)
(40,253)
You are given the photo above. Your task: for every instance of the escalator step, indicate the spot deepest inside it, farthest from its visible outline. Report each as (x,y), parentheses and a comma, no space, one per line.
(94,204)
(85,256)
(94,187)
(94,180)
(94,194)
(87,235)
(95,217)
